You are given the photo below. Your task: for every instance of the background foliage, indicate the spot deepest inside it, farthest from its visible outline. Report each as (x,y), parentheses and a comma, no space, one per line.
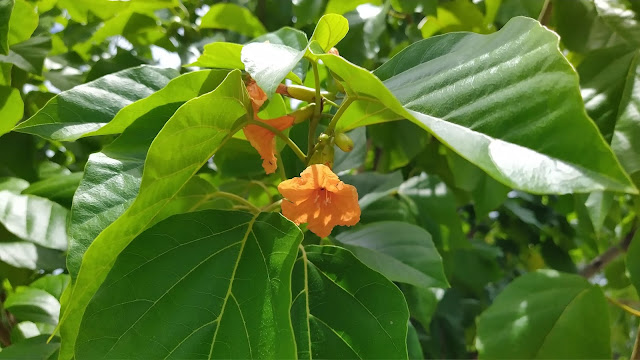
(497,163)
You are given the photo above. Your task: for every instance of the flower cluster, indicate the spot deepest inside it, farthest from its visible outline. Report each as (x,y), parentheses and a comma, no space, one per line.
(318,197)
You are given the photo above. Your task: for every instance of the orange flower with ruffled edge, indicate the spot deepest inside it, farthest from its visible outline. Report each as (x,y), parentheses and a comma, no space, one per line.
(260,138)
(320,199)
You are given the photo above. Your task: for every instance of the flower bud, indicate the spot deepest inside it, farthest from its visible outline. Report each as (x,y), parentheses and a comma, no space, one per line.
(344,142)
(333,51)
(303,114)
(324,156)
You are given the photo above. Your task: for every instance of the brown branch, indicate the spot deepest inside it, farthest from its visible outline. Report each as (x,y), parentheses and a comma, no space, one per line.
(635,354)
(612,253)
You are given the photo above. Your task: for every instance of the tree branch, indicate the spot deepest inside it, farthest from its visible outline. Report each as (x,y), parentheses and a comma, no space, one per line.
(612,253)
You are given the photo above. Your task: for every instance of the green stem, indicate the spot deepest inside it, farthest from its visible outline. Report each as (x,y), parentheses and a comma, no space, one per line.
(272,206)
(635,354)
(331,103)
(313,124)
(343,107)
(283,174)
(236,198)
(282,136)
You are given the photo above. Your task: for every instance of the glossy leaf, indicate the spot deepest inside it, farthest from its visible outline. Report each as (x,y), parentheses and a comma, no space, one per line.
(13,184)
(221,55)
(112,177)
(31,304)
(235,268)
(58,188)
(35,219)
(633,261)
(11,108)
(626,135)
(488,138)
(269,64)
(619,15)
(53,284)
(541,315)
(24,21)
(180,89)
(343,309)
(87,108)
(401,252)
(27,255)
(30,349)
(6,6)
(331,28)
(233,17)
(202,125)
(29,55)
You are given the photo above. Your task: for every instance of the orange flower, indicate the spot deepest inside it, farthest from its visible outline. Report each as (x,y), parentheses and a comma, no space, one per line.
(319,198)
(260,138)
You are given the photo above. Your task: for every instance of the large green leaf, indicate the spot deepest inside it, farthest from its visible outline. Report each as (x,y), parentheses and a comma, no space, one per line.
(35,219)
(330,30)
(194,133)
(466,80)
(233,17)
(603,77)
(30,349)
(29,55)
(633,261)
(11,108)
(32,304)
(117,171)
(53,284)
(59,188)
(88,107)
(626,134)
(182,88)
(27,255)
(343,310)
(24,21)
(400,251)
(541,315)
(230,273)
(6,6)
(619,15)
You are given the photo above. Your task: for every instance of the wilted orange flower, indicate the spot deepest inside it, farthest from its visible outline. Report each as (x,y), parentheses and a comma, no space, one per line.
(260,138)
(319,198)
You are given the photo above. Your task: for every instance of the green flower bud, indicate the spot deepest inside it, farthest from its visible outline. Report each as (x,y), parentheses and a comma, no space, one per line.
(344,142)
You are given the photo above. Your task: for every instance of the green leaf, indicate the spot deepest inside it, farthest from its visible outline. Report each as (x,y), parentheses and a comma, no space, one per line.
(13,184)
(232,17)
(29,55)
(619,15)
(31,349)
(6,6)
(436,210)
(344,6)
(626,135)
(31,304)
(58,188)
(117,170)
(422,303)
(331,28)
(400,251)
(580,28)
(180,89)
(35,219)
(200,126)
(336,312)
(495,137)
(87,108)
(633,261)
(541,315)
(24,20)
(603,78)
(269,63)
(457,15)
(11,108)
(239,266)
(401,141)
(27,255)
(53,284)
(221,55)
(373,186)
(413,344)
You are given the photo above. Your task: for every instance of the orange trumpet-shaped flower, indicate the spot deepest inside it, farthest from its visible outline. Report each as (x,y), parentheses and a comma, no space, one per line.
(260,138)
(319,198)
